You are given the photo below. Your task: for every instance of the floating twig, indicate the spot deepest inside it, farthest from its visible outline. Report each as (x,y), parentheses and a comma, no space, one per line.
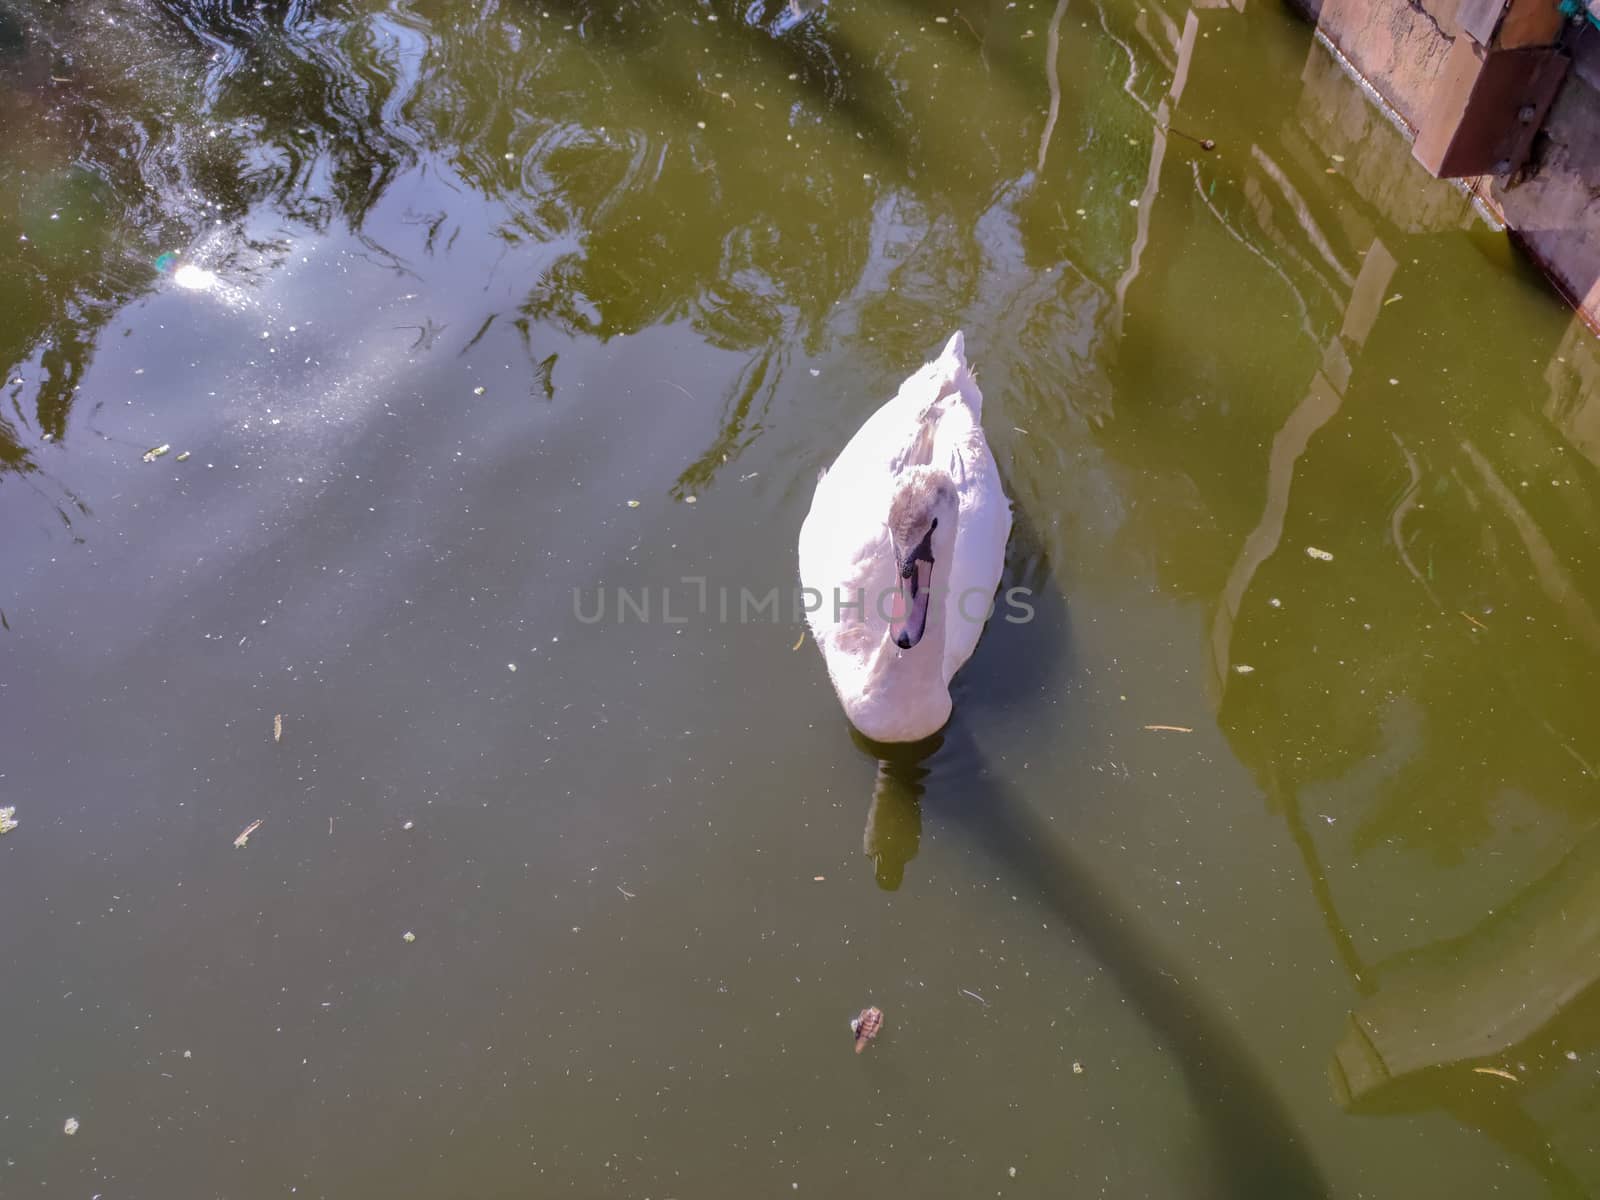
(244,837)
(1495,1071)
(1474,620)
(1170,728)
(1203,143)
(974,995)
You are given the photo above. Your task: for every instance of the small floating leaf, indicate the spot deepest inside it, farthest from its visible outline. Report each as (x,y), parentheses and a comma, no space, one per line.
(8,819)
(156,452)
(1319,555)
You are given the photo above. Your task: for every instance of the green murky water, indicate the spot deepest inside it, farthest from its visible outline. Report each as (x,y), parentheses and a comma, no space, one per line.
(430,292)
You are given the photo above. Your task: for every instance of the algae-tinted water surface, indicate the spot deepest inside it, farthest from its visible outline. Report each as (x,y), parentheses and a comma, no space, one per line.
(495,349)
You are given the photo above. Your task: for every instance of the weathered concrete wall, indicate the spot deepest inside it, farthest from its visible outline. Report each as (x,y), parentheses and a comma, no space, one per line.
(1552,207)
(1398,47)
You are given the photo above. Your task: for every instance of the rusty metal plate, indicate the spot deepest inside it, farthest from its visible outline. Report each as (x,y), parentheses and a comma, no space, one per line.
(1487,106)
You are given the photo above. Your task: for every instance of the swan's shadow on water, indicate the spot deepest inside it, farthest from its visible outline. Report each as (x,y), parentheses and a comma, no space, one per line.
(1252,1149)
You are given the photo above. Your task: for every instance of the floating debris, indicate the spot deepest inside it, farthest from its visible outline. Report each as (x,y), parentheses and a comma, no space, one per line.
(408,937)
(409,825)
(818,878)
(71,1127)
(183,457)
(277,727)
(1203,143)
(1077,1068)
(1319,555)
(1243,669)
(477,391)
(8,819)
(156,452)
(633,504)
(1169,728)
(1496,1071)
(691,499)
(800,641)
(973,995)
(866,1026)
(244,837)
(511,666)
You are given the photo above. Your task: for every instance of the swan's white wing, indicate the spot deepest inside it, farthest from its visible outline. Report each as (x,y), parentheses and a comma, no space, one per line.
(844,549)
(985,522)
(979,560)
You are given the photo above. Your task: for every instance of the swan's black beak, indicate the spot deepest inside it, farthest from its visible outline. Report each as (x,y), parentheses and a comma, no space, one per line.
(910,618)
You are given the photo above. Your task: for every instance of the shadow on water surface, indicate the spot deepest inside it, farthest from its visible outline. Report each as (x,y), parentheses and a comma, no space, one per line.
(1253,1150)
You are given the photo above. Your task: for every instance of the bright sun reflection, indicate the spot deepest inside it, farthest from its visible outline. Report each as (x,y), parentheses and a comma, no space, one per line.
(196,279)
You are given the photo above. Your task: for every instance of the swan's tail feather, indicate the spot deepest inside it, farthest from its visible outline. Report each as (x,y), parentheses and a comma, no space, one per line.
(953,375)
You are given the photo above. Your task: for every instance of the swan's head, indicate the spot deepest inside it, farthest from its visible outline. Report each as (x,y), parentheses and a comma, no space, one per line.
(922,528)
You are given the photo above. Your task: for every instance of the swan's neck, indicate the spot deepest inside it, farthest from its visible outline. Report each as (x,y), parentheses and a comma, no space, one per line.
(909,695)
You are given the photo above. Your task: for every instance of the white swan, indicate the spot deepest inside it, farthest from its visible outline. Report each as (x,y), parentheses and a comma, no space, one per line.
(904,545)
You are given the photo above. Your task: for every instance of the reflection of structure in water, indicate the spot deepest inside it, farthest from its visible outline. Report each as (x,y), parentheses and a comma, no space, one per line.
(1458,512)
(1516,994)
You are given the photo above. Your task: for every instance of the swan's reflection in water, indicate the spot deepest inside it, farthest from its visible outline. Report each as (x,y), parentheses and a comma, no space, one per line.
(894,821)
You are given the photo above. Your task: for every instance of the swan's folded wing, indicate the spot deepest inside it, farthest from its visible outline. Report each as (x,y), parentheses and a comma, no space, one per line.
(978,562)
